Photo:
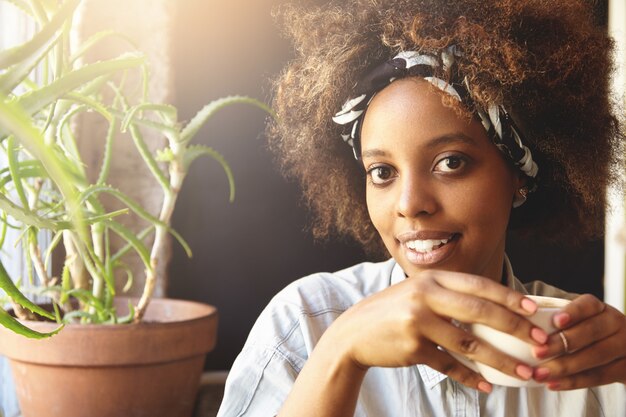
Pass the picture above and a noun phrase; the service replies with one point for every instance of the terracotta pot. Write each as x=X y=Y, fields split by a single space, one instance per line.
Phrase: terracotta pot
x=149 y=369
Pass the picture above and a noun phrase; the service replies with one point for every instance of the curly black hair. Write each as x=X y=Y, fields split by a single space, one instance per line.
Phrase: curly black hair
x=546 y=61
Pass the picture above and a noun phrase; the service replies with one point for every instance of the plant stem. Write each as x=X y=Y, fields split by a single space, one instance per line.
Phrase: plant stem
x=74 y=262
x=22 y=313
x=40 y=267
x=177 y=175
x=97 y=237
x=33 y=246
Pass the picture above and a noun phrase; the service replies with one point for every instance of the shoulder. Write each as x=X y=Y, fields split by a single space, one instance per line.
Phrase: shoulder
x=319 y=296
x=336 y=290
x=288 y=329
x=297 y=316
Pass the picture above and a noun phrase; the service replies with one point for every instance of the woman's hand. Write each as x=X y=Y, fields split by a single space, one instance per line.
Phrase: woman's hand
x=404 y=325
x=596 y=347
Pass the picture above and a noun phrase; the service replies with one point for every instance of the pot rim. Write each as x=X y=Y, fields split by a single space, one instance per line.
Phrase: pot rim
x=149 y=342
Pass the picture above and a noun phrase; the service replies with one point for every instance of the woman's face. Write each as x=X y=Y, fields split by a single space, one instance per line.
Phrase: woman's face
x=438 y=191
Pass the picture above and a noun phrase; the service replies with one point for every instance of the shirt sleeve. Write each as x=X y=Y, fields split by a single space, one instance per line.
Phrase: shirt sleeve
x=258 y=383
x=285 y=334
x=264 y=372
x=612 y=399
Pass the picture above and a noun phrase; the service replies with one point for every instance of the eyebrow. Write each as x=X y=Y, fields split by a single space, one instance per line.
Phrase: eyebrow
x=450 y=138
x=447 y=139
x=370 y=153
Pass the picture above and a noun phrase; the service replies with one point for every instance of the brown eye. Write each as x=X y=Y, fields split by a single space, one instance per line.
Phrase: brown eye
x=453 y=162
x=380 y=174
x=450 y=164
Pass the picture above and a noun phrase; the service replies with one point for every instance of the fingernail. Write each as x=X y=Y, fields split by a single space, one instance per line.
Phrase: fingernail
x=561 y=319
x=484 y=387
x=540 y=352
x=525 y=372
x=554 y=385
x=539 y=335
x=541 y=374
x=529 y=305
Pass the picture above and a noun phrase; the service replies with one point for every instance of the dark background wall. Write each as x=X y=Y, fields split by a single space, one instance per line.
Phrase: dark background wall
x=247 y=251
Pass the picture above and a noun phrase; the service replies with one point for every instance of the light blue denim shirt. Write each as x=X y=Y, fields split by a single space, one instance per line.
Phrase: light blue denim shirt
x=288 y=329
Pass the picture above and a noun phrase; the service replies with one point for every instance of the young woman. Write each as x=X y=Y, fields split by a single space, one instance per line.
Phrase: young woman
x=466 y=119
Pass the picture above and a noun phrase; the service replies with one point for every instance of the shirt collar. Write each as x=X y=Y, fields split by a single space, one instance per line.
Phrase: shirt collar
x=430 y=376
x=397 y=274
x=511 y=280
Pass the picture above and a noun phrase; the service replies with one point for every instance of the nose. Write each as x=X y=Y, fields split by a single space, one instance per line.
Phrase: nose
x=416 y=198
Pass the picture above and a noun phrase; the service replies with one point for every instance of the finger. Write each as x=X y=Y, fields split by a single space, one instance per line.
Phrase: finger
x=472 y=309
x=581 y=335
x=578 y=310
x=467 y=344
x=607 y=374
x=592 y=357
x=446 y=364
x=487 y=289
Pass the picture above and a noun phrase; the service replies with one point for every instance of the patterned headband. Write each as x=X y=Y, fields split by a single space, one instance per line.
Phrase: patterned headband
x=498 y=124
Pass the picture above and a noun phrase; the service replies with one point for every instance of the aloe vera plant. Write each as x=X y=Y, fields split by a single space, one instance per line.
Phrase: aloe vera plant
x=44 y=185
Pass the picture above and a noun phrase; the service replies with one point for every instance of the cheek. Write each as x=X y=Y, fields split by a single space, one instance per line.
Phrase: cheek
x=379 y=211
x=373 y=209
x=486 y=203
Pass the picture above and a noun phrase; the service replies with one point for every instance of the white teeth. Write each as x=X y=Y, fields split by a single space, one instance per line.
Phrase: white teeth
x=425 y=245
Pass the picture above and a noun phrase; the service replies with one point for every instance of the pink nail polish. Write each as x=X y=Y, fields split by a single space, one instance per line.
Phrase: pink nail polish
x=541 y=374
x=554 y=385
x=529 y=305
x=484 y=387
x=525 y=372
x=539 y=335
x=540 y=352
x=561 y=320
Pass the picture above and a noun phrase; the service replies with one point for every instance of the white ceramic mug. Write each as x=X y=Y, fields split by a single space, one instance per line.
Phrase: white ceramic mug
x=512 y=346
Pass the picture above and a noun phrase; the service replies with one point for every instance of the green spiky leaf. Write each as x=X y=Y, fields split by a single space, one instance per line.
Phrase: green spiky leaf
x=194 y=151
x=20 y=53
x=9 y=287
x=16 y=326
x=209 y=110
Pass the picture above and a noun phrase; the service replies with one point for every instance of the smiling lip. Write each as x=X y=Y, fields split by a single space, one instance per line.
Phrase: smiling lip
x=428 y=257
